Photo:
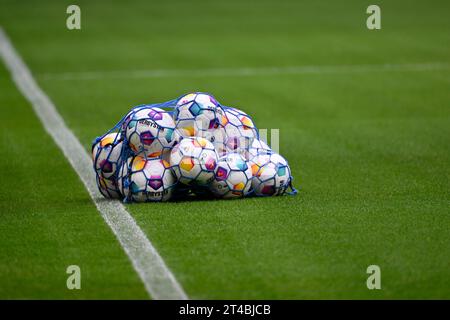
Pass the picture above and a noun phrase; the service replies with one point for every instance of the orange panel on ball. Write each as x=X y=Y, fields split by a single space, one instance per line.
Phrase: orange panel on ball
x=187 y=163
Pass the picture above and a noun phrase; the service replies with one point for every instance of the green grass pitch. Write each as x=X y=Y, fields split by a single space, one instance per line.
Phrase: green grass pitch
x=369 y=149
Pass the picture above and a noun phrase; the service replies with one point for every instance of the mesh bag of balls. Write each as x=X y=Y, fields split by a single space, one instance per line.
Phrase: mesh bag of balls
x=187 y=147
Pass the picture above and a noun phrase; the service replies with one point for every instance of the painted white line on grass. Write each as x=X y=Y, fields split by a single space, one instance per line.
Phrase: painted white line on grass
x=245 y=72
x=158 y=280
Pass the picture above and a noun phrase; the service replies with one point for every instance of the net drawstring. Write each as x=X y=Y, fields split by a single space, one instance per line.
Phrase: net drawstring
x=293 y=191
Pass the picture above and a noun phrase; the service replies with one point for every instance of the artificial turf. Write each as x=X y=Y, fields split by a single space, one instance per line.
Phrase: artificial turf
x=369 y=150
x=48 y=221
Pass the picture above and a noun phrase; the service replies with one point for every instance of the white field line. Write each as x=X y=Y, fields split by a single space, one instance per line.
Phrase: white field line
x=157 y=278
x=245 y=72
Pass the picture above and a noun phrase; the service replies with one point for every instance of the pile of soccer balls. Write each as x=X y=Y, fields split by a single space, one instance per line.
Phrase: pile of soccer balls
x=188 y=146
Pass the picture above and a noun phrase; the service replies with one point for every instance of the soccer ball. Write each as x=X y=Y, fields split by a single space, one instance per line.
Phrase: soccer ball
x=197 y=114
x=144 y=179
x=108 y=187
x=240 y=131
x=259 y=147
x=218 y=138
x=149 y=130
x=193 y=161
x=106 y=155
x=271 y=174
x=232 y=177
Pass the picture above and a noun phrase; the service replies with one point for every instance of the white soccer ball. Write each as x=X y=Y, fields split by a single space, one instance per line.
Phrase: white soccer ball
x=149 y=130
x=240 y=131
x=194 y=161
x=197 y=114
x=232 y=177
x=271 y=174
x=144 y=179
x=106 y=155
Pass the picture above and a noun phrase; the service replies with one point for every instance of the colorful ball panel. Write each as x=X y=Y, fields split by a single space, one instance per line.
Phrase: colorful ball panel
x=271 y=174
x=150 y=130
x=197 y=114
x=147 y=180
x=232 y=177
x=194 y=161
